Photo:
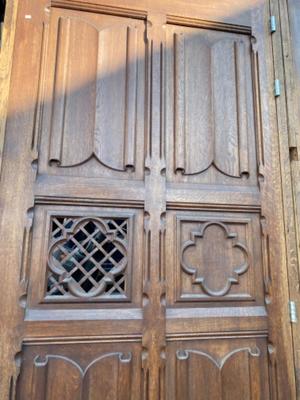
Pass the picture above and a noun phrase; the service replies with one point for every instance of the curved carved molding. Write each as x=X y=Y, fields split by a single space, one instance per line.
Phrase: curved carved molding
x=182 y=355
x=86 y=256
x=41 y=362
x=201 y=275
x=94 y=104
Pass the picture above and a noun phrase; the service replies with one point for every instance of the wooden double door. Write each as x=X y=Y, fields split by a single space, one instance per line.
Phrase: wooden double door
x=142 y=239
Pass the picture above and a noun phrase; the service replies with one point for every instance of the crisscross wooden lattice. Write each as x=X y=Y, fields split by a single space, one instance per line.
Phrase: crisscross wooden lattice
x=87 y=257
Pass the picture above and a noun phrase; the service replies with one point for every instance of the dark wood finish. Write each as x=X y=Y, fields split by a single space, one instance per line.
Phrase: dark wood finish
x=144 y=240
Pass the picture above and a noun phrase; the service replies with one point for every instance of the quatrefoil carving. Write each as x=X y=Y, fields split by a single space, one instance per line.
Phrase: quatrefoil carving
x=214 y=257
x=87 y=257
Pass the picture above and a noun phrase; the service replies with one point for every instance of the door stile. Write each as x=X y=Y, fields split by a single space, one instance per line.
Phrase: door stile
x=286 y=111
x=6 y=49
x=272 y=220
x=18 y=171
x=153 y=355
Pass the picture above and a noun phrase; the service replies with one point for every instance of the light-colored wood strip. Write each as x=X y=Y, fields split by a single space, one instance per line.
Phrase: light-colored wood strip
x=131 y=97
x=241 y=105
x=41 y=93
x=179 y=102
x=6 y=52
x=60 y=89
x=225 y=109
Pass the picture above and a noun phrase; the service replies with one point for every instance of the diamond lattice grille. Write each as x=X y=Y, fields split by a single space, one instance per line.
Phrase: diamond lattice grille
x=88 y=257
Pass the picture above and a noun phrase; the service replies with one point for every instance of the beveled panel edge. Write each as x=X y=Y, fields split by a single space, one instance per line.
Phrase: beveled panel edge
x=83 y=314
x=83 y=201
x=33 y=341
x=96 y=329
x=216 y=335
x=216 y=312
x=89 y=191
x=199 y=23
x=207 y=322
x=213 y=198
x=99 y=8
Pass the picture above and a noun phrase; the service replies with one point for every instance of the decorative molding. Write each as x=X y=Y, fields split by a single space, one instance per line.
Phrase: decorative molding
x=39 y=106
x=183 y=355
x=201 y=278
x=257 y=107
x=14 y=378
x=43 y=361
x=52 y=340
x=273 y=372
x=25 y=258
x=199 y=23
x=266 y=259
x=69 y=201
x=175 y=337
x=177 y=205
x=99 y=8
x=154 y=288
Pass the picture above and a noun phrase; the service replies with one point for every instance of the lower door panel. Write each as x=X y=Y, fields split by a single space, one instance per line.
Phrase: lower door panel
x=217 y=369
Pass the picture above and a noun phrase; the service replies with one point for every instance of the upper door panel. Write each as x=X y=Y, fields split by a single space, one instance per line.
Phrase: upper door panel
x=93 y=121
x=209 y=111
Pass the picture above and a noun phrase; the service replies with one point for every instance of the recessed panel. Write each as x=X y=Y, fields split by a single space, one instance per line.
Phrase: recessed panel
x=93 y=100
x=218 y=369
x=209 y=112
x=215 y=257
x=80 y=371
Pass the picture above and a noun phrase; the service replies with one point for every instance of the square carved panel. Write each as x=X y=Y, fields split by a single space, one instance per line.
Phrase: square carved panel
x=217 y=257
x=88 y=257
x=84 y=254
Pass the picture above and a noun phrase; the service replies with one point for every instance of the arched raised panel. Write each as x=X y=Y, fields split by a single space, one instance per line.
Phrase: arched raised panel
x=229 y=107
x=212 y=118
x=106 y=377
x=94 y=94
x=193 y=124
x=201 y=376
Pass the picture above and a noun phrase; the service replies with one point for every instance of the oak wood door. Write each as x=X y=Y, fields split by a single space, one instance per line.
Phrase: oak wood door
x=141 y=223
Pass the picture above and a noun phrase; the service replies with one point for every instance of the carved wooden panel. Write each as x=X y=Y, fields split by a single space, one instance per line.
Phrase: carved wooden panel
x=218 y=369
x=218 y=256
x=210 y=119
x=88 y=257
x=85 y=254
x=94 y=97
x=80 y=371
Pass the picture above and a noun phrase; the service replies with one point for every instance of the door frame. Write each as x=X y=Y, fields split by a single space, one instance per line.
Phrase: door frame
x=288 y=121
x=286 y=124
